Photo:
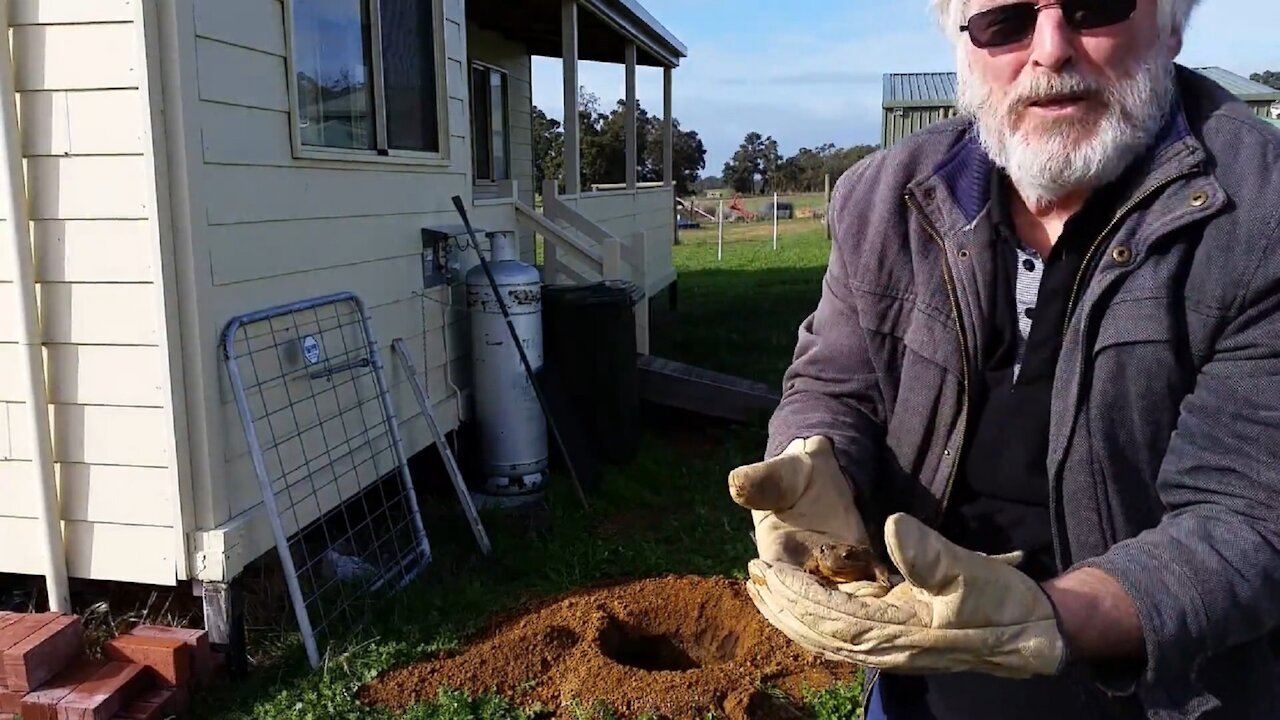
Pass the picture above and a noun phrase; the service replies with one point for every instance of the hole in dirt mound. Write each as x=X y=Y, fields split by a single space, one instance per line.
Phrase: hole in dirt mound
x=644 y=652
x=671 y=647
x=640 y=646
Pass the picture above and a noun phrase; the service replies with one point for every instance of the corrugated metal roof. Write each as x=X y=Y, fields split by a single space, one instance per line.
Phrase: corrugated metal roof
x=937 y=89
x=919 y=89
x=1241 y=87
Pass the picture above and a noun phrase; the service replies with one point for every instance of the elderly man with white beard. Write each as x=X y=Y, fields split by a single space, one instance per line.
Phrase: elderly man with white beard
x=1043 y=383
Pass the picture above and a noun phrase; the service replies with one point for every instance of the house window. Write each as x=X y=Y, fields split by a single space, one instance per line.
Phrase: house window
x=366 y=75
x=489 y=126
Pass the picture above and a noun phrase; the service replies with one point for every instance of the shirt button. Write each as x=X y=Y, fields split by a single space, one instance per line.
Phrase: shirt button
x=1029 y=264
x=1030 y=313
x=1199 y=198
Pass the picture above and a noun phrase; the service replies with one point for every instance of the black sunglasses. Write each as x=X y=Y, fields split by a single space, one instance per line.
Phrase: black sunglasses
x=1009 y=24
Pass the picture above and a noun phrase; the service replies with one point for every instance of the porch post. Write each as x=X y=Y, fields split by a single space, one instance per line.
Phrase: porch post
x=668 y=134
x=572 y=137
x=632 y=153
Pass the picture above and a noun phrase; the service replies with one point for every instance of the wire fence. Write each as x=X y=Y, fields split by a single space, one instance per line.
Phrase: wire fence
x=325 y=445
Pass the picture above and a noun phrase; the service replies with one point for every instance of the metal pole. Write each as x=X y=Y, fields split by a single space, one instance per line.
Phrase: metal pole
x=720 y=241
x=31 y=376
x=775 y=221
x=451 y=464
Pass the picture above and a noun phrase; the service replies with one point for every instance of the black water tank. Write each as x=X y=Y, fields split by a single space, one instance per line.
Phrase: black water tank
x=589 y=339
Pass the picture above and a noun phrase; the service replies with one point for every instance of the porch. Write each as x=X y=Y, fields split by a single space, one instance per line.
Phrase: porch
x=624 y=230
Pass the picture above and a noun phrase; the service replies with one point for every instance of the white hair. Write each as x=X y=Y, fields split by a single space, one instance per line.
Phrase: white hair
x=1173 y=15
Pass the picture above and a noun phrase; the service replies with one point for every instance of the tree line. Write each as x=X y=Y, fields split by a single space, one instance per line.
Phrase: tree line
x=1270 y=78
x=603 y=146
x=758 y=167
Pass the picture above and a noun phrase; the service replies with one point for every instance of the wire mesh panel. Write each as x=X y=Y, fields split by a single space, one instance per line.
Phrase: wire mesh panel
x=325 y=444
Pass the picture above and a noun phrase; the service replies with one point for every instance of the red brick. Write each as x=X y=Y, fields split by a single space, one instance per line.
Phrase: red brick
x=10 y=701
x=43 y=654
x=202 y=660
x=8 y=617
x=43 y=703
x=172 y=701
x=16 y=632
x=102 y=696
x=139 y=710
x=168 y=658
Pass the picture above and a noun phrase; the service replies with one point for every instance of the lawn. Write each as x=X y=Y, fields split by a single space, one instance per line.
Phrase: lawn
x=668 y=512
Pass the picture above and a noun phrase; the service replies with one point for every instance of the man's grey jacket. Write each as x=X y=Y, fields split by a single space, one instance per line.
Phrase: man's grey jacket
x=1164 y=450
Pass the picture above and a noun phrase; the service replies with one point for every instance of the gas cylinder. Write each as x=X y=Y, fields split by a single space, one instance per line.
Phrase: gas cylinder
x=512 y=428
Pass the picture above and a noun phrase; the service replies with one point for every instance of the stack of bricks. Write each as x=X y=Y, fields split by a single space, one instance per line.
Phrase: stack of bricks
x=146 y=674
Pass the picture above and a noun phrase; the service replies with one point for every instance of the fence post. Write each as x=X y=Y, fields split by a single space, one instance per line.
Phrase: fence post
x=720 y=240
x=775 y=221
x=826 y=204
x=640 y=256
x=611 y=268
x=550 y=263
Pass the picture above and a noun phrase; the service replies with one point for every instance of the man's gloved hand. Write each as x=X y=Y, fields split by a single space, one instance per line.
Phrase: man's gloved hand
x=798 y=500
x=956 y=611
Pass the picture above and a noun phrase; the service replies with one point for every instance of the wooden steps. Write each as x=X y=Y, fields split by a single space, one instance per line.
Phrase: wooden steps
x=149 y=672
x=674 y=384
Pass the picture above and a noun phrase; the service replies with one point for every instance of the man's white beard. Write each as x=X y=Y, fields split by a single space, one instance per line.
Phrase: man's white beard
x=1068 y=154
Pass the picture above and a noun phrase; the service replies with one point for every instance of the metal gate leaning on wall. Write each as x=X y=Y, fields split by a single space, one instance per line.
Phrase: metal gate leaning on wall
x=312 y=396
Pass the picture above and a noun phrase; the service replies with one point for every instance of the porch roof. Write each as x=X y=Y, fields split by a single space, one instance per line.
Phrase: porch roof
x=603 y=31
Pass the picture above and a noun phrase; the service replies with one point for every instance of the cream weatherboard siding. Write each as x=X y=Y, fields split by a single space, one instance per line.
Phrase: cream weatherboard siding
x=490 y=48
x=269 y=228
x=88 y=136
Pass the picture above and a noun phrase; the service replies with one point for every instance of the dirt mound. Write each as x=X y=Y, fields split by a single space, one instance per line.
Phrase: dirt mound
x=674 y=647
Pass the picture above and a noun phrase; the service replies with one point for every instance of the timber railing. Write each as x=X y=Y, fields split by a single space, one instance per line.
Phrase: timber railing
x=578 y=249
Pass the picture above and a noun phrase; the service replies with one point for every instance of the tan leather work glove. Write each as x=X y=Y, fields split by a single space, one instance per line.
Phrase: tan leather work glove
x=798 y=499
x=956 y=611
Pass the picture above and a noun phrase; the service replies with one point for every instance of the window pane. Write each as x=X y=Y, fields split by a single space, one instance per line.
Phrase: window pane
x=480 y=116
x=332 y=55
x=498 y=106
x=409 y=75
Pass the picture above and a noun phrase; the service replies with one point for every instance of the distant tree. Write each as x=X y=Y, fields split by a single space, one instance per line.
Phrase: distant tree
x=688 y=154
x=746 y=165
x=1270 y=78
x=603 y=146
x=548 y=148
x=808 y=169
x=770 y=161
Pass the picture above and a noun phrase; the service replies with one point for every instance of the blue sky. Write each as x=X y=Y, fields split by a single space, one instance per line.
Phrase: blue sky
x=809 y=71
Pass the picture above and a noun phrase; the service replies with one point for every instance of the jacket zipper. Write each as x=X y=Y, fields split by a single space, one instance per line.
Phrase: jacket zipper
x=1088 y=257
x=1056 y=506
x=953 y=296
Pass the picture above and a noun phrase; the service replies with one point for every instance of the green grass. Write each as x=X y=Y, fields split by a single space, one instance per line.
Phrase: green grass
x=668 y=512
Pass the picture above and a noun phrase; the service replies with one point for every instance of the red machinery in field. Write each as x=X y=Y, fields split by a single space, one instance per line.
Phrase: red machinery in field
x=742 y=211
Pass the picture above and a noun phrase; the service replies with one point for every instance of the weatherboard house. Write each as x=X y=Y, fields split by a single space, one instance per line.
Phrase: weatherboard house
x=913 y=101
x=190 y=161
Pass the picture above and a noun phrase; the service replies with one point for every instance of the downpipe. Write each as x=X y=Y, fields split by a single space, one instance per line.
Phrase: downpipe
x=35 y=402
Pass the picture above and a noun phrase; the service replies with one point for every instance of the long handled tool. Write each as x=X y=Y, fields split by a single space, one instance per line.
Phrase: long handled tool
x=450 y=463
x=524 y=359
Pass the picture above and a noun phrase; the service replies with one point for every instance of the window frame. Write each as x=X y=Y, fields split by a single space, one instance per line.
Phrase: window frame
x=506 y=122
x=384 y=154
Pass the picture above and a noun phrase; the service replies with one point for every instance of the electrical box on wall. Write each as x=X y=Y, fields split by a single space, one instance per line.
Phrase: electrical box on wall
x=441 y=246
